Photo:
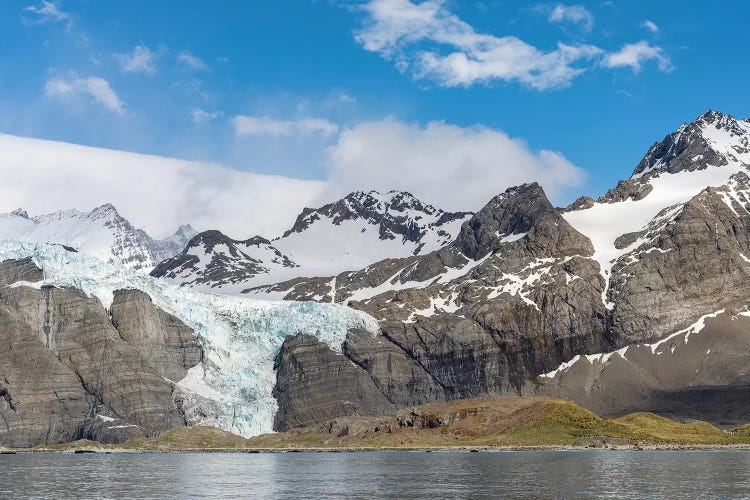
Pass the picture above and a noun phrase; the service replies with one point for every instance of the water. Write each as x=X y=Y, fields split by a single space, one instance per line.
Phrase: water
x=532 y=474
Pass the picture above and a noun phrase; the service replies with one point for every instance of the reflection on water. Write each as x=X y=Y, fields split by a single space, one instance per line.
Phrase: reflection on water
x=531 y=474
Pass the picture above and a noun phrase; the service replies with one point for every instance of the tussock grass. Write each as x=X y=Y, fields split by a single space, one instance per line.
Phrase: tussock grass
x=481 y=422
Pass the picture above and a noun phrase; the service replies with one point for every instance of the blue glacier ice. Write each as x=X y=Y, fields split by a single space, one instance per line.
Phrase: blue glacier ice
x=232 y=388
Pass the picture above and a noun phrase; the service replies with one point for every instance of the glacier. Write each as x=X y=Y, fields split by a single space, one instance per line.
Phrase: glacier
x=232 y=388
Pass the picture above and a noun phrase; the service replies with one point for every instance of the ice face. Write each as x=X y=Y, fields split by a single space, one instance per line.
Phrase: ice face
x=232 y=388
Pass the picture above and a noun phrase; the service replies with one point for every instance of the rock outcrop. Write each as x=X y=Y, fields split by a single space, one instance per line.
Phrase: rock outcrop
x=170 y=346
x=694 y=261
x=315 y=383
x=700 y=373
x=68 y=373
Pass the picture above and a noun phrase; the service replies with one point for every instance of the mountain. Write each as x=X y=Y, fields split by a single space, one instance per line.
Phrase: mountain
x=103 y=233
x=350 y=233
x=638 y=300
x=212 y=259
x=526 y=286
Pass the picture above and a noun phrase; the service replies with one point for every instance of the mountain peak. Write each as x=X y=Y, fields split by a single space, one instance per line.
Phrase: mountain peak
x=396 y=212
x=106 y=209
x=713 y=139
x=19 y=212
x=185 y=229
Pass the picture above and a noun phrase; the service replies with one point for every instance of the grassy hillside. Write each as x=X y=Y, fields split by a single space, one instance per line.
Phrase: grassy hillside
x=480 y=422
x=504 y=421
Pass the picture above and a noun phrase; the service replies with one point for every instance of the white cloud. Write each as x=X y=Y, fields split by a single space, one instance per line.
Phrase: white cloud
x=140 y=60
x=452 y=167
x=650 y=25
x=191 y=61
x=399 y=29
x=576 y=14
x=633 y=55
x=201 y=116
x=94 y=87
x=48 y=12
x=153 y=192
x=267 y=126
x=430 y=42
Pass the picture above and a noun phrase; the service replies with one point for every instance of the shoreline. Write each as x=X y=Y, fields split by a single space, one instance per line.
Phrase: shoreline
x=425 y=449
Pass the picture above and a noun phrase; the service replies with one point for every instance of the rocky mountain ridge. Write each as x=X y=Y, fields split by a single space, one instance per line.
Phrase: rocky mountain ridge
x=350 y=233
x=525 y=285
x=94 y=374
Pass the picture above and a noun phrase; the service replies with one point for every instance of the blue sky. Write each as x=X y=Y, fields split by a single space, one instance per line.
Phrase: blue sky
x=294 y=87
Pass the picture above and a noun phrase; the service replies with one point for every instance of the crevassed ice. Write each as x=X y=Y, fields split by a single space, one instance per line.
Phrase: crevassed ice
x=232 y=388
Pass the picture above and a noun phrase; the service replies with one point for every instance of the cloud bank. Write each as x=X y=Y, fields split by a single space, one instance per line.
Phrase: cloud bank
x=449 y=166
x=154 y=193
x=452 y=167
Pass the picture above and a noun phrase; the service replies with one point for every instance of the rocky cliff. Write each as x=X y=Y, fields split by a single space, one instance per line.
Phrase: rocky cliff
x=70 y=371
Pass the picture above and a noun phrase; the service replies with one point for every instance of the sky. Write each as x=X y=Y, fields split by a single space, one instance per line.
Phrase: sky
x=248 y=111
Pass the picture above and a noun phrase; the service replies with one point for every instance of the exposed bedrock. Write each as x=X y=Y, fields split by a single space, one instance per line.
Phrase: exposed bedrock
x=315 y=383
x=699 y=374
x=68 y=373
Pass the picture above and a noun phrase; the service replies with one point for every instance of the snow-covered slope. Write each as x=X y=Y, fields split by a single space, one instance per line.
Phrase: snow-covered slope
x=351 y=233
x=363 y=228
x=232 y=387
x=102 y=233
x=706 y=152
x=213 y=260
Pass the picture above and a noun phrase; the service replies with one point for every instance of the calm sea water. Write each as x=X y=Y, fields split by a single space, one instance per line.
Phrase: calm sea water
x=557 y=474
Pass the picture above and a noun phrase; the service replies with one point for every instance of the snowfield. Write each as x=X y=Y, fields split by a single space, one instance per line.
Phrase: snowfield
x=232 y=388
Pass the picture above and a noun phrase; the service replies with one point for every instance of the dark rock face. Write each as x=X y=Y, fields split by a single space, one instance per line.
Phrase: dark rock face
x=12 y=271
x=41 y=401
x=631 y=189
x=581 y=203
x=68 y=373
x=513 y=296
x=694 y=263
x=171 y=346
x=701 y=374
x=314 y=384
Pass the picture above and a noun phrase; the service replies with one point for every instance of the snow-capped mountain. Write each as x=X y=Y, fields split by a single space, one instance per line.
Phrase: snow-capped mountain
x=215 y=260
x=705 y=152
x=525 y=287
x=103 y=233
x=350 y=233
x=636 y=300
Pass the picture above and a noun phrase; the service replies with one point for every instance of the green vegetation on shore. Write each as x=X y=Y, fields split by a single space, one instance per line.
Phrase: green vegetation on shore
x=482 y=422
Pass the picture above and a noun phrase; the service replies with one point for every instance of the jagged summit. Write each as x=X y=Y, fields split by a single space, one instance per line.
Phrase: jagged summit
x=359 y=229
x=398 y=213
x=212 y=259
x=712 y=139
x=369 y=226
